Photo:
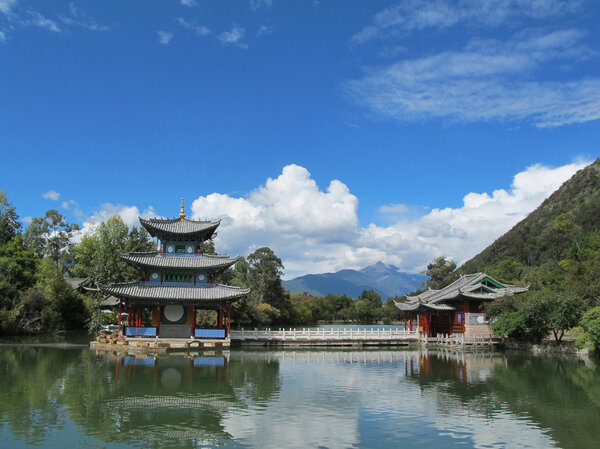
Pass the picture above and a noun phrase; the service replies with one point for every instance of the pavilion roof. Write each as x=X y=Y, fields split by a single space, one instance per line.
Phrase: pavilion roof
x=183 y=261
x=476 y=286
x=174 y=293
x=180 y=226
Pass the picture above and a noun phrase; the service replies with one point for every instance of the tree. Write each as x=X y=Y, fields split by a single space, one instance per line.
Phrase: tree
x=9 y=220
x=49 y=235
x=590 y=322
x=441 y=273
x=97 y=256
x=564 y=312
x=264 y=276
x=17 y=270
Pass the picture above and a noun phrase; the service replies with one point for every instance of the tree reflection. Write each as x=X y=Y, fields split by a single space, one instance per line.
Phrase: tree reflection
x=176 y=400
x=562 y=395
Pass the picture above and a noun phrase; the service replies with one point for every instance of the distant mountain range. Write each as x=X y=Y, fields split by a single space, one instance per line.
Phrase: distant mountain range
x=387 y=280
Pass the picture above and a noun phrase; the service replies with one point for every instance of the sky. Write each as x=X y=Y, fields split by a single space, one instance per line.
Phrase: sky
x=338 y=133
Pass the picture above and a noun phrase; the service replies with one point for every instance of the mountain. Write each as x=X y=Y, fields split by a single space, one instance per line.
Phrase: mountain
x=546 y=234
x=387 y=280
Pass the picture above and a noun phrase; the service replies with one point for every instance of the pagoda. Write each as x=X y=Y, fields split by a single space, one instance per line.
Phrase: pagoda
x=175 y=281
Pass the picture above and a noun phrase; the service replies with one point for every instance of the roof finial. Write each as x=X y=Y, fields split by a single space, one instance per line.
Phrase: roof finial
x=182 y=213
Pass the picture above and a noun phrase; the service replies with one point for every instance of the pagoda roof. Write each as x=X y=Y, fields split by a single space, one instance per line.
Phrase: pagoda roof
x=174 y=293
x=179 y=226
x=185 y=261
x=476 y=286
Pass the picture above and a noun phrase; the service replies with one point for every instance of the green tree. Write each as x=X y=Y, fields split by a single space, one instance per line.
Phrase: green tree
x=49 y=235
x=17 y=271
x=590 y=322
x=441 y=272
x=564 y=312
x=9 y=220
x=97 y=256
x=264 y=276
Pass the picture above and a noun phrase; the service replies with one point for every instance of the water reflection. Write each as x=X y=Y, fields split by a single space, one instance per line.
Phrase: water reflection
x=276 y=399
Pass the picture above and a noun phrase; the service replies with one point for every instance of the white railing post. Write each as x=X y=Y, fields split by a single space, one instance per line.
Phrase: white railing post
x=242 y=333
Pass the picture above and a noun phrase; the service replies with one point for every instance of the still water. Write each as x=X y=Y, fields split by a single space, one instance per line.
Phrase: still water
x=74 y=397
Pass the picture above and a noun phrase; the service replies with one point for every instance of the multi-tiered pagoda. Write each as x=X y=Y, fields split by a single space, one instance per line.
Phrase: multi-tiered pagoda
x=175 y=281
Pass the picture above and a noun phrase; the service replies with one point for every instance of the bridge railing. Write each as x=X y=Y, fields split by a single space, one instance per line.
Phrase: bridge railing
x=323 y=334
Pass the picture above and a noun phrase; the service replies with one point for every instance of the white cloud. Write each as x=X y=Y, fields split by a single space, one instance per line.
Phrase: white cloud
x=317 y=231
x=164 y=37
x=2 y=37
x=411 y=15
x=6 y=6
x=233 y=37
x=486 y=80
x=68 y=204
x=189 y=3
x=38 y=20
x=393 y=209
x=256 y=4
x=51 y=195
x=264 y=29
x=198 y=29
x=78 y=18
x=129 y=214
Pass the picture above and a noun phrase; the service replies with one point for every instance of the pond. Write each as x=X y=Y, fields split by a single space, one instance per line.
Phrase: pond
x=72 y=397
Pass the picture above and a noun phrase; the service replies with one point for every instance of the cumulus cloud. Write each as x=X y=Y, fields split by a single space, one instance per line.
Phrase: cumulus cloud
x=316 y=230
x=486 y=80
x=189 y=3
x=233 y=37
x=129 y=214
x=164 y=37
x=51 y=195
x=412 y=15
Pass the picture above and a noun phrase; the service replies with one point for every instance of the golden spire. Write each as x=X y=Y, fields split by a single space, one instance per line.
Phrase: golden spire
x=182 y=213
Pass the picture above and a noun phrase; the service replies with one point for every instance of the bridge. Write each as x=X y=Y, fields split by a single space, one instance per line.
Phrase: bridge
x=350 y=337
x=325 y=337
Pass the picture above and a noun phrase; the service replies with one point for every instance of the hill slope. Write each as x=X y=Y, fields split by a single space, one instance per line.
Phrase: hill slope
x=548 y=232
x=386 y=280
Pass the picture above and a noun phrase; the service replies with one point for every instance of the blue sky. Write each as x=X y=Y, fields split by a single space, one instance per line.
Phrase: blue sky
x=339 y=133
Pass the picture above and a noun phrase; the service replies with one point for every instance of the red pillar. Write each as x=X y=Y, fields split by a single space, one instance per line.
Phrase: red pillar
x=228 y=320
x=158 y=318
x=404 y=323
x=120 y=310
x=220 y=318
x=193 y=320
x=411 y=323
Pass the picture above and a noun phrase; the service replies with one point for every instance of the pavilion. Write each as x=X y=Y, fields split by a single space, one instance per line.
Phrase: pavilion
x=457 y=308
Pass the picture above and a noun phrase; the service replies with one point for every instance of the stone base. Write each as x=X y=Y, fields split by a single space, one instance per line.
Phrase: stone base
x=481 y=330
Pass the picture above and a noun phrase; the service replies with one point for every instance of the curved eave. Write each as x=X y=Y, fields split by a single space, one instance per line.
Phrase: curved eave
x=423 y=307
x=180 y=227
x=153 y=260
x=174 y=293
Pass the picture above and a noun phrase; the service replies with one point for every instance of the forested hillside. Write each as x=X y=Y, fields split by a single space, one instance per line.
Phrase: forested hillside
x=566 y=218
x=556 y=252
